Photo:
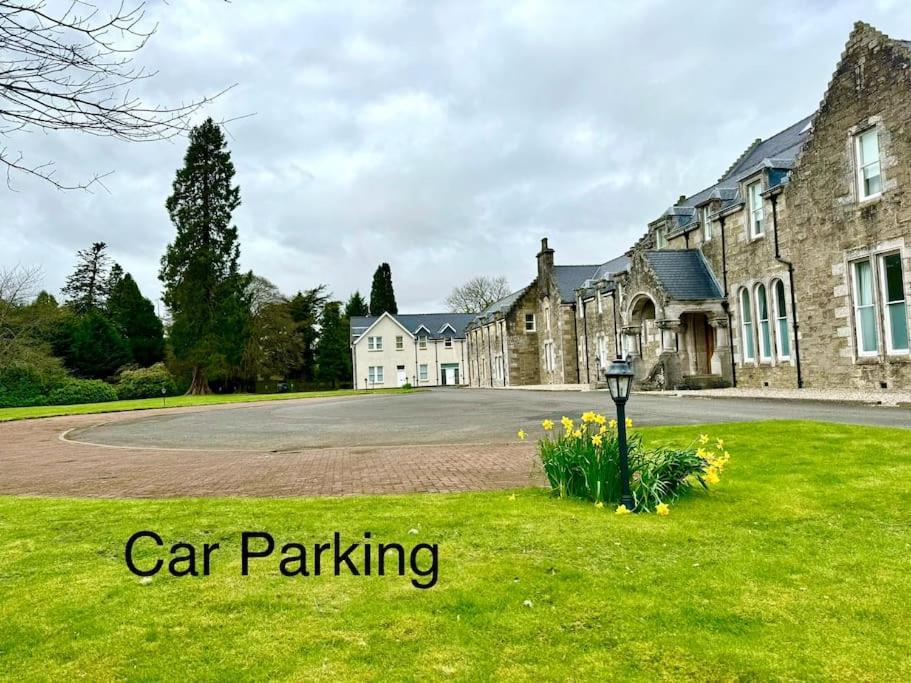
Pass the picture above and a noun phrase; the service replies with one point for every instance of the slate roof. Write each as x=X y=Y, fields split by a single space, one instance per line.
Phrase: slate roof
x=684 y=274
x=612 y=267
x=434 y=322
x=570 y=278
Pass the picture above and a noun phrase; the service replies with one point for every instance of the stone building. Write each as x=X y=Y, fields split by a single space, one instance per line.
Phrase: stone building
x=794 y=269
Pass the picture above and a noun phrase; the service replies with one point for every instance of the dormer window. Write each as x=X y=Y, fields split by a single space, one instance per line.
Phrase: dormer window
x=447 y=343
x=706 y=224
x=422 y=342
x=869 y=177
x=754 y=196
x=660 y=238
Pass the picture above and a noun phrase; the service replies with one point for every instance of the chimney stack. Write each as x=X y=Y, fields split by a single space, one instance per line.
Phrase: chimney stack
x=545 y=264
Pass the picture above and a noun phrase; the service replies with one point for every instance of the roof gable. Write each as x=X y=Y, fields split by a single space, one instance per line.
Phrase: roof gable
x=683 y=274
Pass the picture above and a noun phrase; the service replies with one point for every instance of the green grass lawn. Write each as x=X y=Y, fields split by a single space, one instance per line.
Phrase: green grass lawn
x=7 y=414
x=797 y=566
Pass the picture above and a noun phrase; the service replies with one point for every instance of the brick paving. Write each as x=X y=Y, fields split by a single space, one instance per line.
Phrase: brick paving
x=34 y=460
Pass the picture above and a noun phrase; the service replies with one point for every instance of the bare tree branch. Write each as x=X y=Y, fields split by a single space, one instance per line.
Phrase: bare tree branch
x=74 y=70
x=477 y=294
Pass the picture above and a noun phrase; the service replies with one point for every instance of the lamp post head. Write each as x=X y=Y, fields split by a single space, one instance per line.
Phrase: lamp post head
x=619 y=380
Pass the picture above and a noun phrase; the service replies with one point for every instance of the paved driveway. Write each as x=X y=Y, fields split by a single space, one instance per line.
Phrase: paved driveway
x=443 y=440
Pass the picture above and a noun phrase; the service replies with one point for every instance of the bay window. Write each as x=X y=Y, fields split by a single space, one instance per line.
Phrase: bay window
x=762 y=316
x=781 y=320
x=746 y=326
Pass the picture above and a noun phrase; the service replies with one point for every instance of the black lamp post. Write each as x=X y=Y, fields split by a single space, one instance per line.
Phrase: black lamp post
x=620 y=382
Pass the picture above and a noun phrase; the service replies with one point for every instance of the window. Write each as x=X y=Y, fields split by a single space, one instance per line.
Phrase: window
x=422 y=343
x=374 y=343
x=600 y=304
x=547 y=316
x=746 y=326
x=529 y=322
x=706 y=224
x=754 y=193
x=448 y=343
x=762 y=316
x=895 y=309
x=422 y=372
x=660 y=239
x=549 y=356
x=781 y=321
x=399 y=343
x=864 y=310
x=869 y=178
x=375 y=374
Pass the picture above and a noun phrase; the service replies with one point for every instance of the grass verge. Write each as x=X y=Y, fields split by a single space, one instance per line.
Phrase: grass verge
x=28 y=412
x=795 y=567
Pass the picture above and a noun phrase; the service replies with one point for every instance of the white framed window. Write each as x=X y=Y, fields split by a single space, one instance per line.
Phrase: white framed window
x=530 y=322
x=447 y=343
x=399 y=343
x=660 y=238
x=374 y=343
x=706 y=224
x=754 y=195
x=765 y=329
x=781 y=321
x=375 y=374
x=422 y=372
x=422 y=342
x=865 y=309
x=746 y=326
x=895 y=307
x=549 y=356
x=869 y=176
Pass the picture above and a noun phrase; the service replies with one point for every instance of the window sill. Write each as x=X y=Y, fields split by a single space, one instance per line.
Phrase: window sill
x=756 y=238
x=867 y=201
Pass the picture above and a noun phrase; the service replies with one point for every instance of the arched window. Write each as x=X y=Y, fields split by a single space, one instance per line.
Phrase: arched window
x=781 y=321
x=746 y=326
x=765 y=330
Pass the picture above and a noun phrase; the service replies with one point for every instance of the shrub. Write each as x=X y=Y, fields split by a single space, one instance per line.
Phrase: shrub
x=583 y=461
x=74 y=391
x=27 y=380
x=407 y=386
x=146 y=383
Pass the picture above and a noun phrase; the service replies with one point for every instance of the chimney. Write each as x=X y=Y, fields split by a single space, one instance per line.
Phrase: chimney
x=545 y=263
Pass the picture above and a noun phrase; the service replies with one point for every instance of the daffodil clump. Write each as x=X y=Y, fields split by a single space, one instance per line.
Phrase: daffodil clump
x=582 y=460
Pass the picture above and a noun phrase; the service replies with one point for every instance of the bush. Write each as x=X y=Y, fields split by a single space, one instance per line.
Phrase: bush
x=74 y=391
x=27 y=380
x=407 y=386
x=583 y=461
x=146 y=383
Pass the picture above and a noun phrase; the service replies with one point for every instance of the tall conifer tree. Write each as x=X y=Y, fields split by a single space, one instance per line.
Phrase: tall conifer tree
x=203 y=287
x=382 y=293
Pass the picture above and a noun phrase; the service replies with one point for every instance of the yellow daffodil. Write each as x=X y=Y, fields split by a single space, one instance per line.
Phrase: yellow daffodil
x=600 y=419
x=711 y=475
x=599 y=505
x=703 y=439
x=577 y=434
x=588 y=416
x=596 y=440
x=663 y=509
x=548 y=425
x=622 y=510
x=701 y=452
x=521 y=434
x=612 y=424
x=719 y=444
x=629 y=423
x=602 y=429
x=566 y=422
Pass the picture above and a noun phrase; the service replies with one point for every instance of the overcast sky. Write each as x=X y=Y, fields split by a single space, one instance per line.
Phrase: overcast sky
x=446 y=138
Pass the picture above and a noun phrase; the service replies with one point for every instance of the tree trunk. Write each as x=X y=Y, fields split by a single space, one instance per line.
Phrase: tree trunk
x=199 y=386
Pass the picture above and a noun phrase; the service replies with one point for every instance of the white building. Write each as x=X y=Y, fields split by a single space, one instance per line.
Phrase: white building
x=424 y=350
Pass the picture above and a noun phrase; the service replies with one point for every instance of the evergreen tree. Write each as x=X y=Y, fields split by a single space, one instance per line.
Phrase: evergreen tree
x=333 y=354
x=306 y=308
x=203 y=287
x=91 y=346
x=87 y=287
x=134 y=316
x=382 y=294
x=356 y=306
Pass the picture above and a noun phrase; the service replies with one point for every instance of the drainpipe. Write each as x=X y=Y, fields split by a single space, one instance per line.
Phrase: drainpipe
x=489 y=357
x=575 y=337
x=613 y=296
x=727 y=304
x=417 y=372
x=790 y=265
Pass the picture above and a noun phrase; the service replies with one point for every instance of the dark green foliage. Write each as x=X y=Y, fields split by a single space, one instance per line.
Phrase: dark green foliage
x=203 y=287
x=74 y=391
x=146 y=383
x=356 y=306
x=306 y=308
x=87 y=287
x=27 y=382
x=91 y=346
x=333 y=354
x=134 y=316
x=382 y=293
